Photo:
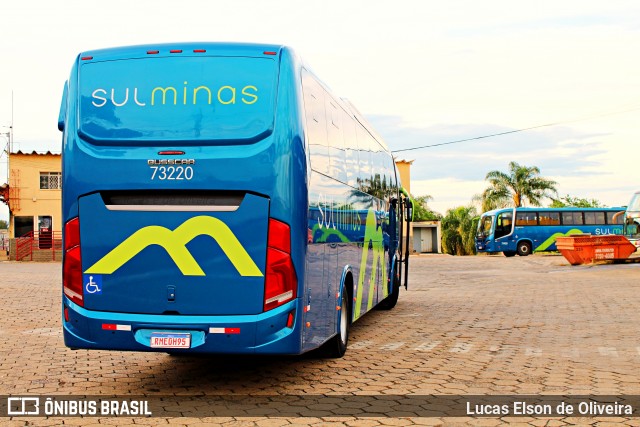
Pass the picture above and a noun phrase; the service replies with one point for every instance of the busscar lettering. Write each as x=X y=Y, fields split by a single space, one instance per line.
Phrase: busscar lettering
x=160 y=162
x=169 y=95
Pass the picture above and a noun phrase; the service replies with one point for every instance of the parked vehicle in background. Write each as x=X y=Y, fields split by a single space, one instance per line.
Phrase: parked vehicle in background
x=632 y=220
x=525 y=230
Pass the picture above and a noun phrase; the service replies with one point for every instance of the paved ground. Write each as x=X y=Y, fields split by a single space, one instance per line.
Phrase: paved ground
x=484 y=325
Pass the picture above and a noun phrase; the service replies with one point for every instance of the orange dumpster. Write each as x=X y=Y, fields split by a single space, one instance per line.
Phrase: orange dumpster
x=585 y=248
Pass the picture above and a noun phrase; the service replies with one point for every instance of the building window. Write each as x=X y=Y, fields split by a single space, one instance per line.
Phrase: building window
x=50 y=180
x=22 y=225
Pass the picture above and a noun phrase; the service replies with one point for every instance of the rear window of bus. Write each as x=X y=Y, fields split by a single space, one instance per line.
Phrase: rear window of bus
x=181 y=99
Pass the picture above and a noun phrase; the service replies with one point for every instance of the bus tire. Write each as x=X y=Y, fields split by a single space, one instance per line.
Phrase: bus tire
x=509 y=254
x=392 y=299
x=524 y=248
x=336 y=347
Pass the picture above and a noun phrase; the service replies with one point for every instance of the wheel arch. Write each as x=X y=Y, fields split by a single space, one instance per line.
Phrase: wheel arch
x=346 y=285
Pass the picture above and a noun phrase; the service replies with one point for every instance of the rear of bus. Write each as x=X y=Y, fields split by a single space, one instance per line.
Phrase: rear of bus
x=180 y=178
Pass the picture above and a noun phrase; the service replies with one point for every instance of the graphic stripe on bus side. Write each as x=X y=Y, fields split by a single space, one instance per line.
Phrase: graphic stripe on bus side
x=374 y=235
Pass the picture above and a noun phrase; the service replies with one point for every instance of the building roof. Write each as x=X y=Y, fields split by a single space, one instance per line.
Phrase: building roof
x=35 y=153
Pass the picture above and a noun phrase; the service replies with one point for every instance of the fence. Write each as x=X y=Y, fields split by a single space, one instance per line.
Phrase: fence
x=38 y=246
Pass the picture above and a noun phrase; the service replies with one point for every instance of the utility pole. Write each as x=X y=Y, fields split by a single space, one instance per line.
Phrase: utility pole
x=10 y=132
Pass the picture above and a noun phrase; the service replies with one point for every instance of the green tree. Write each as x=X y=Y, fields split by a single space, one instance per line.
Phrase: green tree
x=520 y=185
x=3 y=224
x=578 y=202
x=458 y=231
x=421 y=210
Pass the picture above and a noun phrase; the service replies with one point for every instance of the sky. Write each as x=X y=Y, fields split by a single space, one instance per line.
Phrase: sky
x=422 y=72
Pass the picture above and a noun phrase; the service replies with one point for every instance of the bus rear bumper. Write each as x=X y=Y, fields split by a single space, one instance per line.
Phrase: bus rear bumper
x=265 y=333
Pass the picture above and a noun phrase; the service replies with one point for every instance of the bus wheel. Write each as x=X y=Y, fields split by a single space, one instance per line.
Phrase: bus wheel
x=509 y=253
x=524 y=248
x=337 y=346
x=392 y=299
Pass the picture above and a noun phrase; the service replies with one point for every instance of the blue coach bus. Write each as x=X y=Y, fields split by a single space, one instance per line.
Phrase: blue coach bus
x=201 y=185
x=525 y=230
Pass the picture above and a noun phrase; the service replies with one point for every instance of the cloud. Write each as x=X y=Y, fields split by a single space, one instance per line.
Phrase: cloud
x=557 y=151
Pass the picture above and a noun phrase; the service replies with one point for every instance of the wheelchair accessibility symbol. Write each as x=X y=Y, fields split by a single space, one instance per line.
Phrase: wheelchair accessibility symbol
x=93 y=283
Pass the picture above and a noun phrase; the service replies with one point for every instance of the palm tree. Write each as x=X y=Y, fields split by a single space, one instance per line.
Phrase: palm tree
x=458 y=230
x=522 y=184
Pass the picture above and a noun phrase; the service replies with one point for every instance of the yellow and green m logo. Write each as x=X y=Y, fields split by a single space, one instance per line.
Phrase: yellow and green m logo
x=552 y=239
x=174 y=242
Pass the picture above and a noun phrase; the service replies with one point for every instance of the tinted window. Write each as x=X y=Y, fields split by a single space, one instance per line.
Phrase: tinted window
x=390 y=168
x=619 y=219
x=352 y=159
x=549 y=218
x=316 y=123
x=527 y=218
x=177 y=99
x=335 y=139
x=364 y=154
x=572 y=218
x=594 y=218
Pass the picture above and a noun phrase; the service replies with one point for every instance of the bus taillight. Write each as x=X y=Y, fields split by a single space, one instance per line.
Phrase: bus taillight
x=72 y=268
x=280 y=280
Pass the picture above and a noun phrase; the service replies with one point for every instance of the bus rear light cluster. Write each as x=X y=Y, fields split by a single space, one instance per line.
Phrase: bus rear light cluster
x=280 y=283
x=72 y=267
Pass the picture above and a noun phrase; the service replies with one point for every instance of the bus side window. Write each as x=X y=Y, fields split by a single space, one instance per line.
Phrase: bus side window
x=577 y=218
x=364 y=154
x=590 y=218
x=526 y=218
x=336 y=140
x=594 y=218
x=567 y=218
x=390 y=177
x=549 y=218
x=351 y=150
x=316 y=118
x=619 y=219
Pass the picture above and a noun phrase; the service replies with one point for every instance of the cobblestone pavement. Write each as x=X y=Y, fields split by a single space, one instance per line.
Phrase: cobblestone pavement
x=466 y=326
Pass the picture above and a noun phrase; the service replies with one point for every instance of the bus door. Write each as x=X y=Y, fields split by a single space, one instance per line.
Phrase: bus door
x=503 y=237
x=405 y=214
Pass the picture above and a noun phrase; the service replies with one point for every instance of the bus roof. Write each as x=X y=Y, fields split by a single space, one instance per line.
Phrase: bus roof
x=166 y=49
x=542 y=209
